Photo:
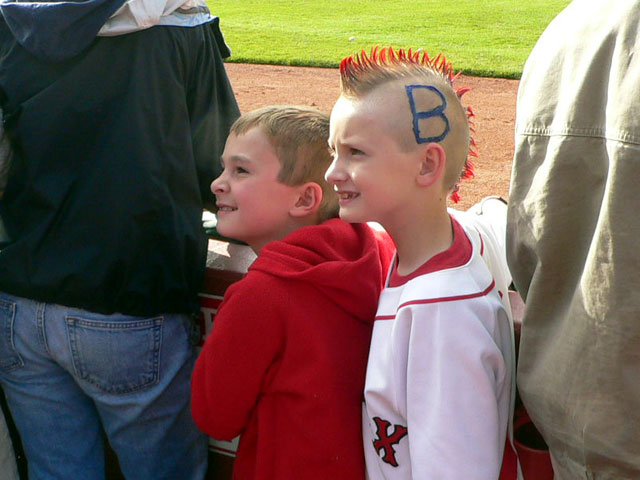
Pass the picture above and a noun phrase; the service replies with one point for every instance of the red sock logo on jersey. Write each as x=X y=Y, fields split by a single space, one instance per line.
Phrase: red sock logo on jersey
x=385 y=442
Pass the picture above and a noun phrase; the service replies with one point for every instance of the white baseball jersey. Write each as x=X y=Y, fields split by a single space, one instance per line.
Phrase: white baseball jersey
x=440 y=384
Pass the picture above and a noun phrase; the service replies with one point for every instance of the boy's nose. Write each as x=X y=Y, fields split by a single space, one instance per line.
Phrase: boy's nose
x=218 y=185
x=334 y=174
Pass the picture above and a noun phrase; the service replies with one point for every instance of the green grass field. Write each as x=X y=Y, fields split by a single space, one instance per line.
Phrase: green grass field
x=480 y=37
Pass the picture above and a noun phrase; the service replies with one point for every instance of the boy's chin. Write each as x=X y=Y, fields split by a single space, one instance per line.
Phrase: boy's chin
x=227 y=232
x=351 y=217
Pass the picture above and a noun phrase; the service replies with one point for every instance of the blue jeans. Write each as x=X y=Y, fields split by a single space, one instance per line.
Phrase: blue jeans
x=68 y=374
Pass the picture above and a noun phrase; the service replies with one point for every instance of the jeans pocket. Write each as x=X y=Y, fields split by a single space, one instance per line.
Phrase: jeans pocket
x=9 y=357
x=120 y=356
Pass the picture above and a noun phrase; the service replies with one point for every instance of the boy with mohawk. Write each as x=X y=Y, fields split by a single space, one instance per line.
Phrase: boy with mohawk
x=285 y=363
x=439 y=384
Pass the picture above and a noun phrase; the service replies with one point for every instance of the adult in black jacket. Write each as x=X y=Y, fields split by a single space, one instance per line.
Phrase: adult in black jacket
x=116 y=131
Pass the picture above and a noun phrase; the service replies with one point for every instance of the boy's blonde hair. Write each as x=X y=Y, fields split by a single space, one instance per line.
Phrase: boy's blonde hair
x=299 y=137
x=363 y=73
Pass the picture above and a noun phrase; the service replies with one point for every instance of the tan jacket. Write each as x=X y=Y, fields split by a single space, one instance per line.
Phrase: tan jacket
x=573 y=238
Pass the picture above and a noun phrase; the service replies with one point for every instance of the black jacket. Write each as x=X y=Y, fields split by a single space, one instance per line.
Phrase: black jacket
x=114 y=151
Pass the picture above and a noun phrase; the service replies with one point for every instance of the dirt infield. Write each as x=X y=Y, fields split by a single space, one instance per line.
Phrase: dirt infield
x=493 y=101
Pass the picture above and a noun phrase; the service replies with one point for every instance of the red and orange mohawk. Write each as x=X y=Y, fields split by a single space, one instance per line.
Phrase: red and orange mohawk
x=361 y=73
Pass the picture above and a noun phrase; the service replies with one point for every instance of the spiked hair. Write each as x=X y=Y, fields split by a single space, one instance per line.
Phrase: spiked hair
x=361 y=73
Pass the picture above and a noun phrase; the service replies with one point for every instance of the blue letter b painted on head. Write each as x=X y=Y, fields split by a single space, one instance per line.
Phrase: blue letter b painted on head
x=437 y=111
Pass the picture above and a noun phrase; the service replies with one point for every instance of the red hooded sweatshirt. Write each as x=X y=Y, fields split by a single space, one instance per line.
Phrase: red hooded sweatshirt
x=285 y=363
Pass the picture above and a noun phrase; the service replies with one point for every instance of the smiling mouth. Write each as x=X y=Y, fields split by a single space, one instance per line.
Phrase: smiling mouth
x=347 y=195
x=225 y=208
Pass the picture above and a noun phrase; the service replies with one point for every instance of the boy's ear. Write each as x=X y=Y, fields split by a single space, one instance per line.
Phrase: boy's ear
x=432 y=164
x=308 y=201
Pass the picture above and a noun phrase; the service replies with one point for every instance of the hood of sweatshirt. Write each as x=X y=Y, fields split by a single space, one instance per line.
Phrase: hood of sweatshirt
x=57 y=30
x=346 y=262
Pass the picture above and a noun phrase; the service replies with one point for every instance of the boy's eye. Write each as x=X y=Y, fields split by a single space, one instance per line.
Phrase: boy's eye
x=355 y=151
x=241 y=170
